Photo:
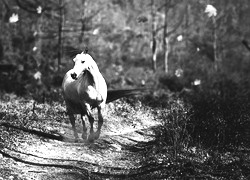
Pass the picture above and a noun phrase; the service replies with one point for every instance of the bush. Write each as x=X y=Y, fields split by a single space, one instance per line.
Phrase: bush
x=176 y=123
x=220 y=110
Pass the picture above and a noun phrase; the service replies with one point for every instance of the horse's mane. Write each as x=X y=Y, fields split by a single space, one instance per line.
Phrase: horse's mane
x=90 y=76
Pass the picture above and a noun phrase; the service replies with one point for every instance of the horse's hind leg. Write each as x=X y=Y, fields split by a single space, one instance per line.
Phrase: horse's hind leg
x=84 y=133
x=100 y=123
x=91 y=137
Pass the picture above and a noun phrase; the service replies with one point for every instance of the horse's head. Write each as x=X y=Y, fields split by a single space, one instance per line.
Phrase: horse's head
x=83 y=62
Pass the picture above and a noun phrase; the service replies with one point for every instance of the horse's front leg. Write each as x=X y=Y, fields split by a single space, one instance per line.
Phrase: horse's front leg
x=91 y=121
x=72 y=121
x=100 y=123
x=84 y=133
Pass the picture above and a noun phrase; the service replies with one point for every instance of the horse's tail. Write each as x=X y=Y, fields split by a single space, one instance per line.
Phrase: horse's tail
x=117 y=94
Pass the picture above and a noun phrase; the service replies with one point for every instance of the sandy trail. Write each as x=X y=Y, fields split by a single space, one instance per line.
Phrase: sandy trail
x=116 y=154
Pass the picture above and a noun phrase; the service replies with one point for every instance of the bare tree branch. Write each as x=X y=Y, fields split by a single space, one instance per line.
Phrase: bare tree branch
x=245 y=43
x=25 y=7
x=32 y=8
x=6 y=5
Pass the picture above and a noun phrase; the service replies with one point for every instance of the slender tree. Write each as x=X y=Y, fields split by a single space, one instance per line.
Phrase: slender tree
x=165 y=37
x=166 y=29
x=216 y=58
x=60 y=26
x=212 y=13
x=154 y=41
x=82 y=19
x=186 y=24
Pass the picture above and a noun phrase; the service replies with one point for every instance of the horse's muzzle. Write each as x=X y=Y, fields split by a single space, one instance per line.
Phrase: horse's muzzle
x=74 y=76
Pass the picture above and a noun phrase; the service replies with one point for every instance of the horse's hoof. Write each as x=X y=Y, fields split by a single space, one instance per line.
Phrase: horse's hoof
x=76 y=135
x=91 y=138
x=77 y=140
x=84 y=136
x=96 y=135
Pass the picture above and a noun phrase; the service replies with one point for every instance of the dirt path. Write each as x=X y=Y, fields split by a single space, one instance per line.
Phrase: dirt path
x=117 y=154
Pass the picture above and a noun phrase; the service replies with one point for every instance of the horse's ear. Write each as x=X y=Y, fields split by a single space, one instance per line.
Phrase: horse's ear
x=75 y=58
x=85 y=51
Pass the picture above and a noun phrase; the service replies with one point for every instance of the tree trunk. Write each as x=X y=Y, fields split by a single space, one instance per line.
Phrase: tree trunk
x=154 y=41
x=166 y=41
x=166 y=52
x=82 y=21
x=215 y=47
x=186 y=24
x=59 y=53
x=39 y=40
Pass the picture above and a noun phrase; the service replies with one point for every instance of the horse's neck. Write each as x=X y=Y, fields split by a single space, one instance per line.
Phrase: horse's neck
x=90 y=79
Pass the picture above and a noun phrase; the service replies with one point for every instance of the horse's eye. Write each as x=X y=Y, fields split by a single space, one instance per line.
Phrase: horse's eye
x=83 y=61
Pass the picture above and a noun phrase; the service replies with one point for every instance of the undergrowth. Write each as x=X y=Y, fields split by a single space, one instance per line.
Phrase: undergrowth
x=220 y=112
x=203 y=133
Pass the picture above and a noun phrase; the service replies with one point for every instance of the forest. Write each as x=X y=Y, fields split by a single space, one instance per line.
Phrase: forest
x=189 y=58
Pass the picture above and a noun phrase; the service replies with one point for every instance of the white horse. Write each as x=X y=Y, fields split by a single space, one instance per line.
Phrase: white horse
x=84 y=88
